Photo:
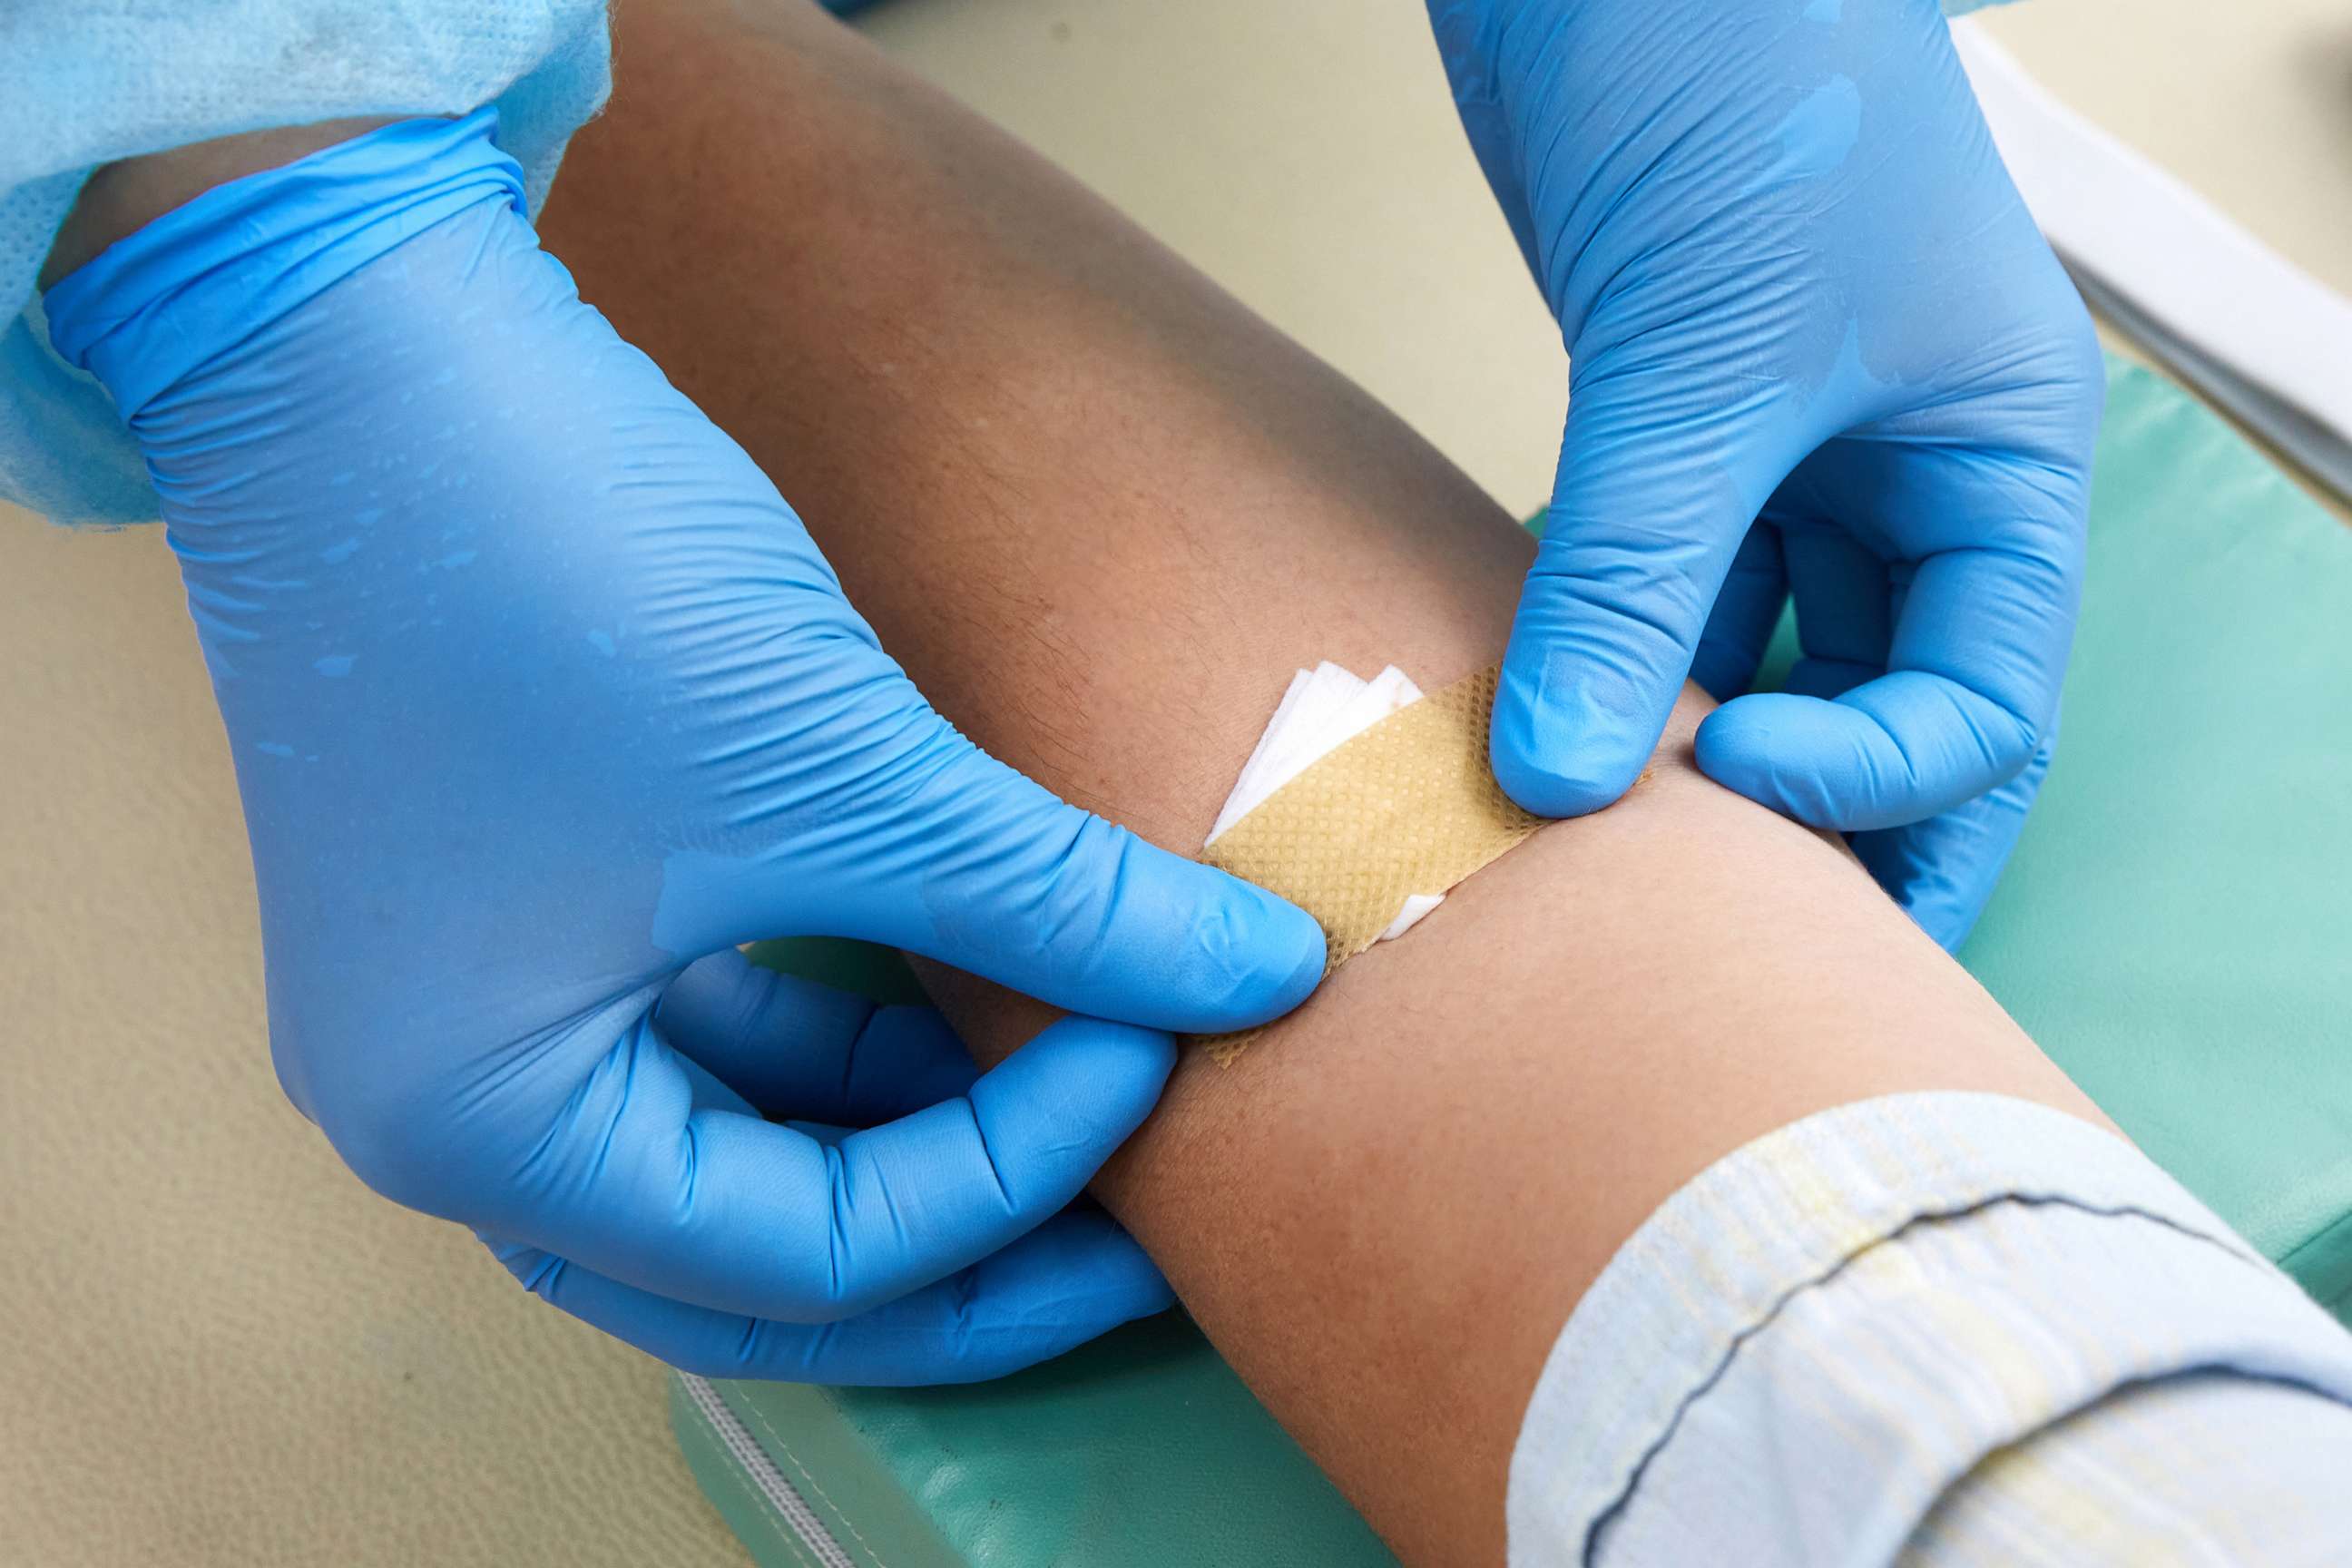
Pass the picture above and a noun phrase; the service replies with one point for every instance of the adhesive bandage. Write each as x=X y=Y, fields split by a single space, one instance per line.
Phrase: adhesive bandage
x=1363 y=804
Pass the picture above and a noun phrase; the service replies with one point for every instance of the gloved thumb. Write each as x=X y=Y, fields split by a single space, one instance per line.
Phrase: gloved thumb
x=1017 y=885
x=959 y=858
x=1661 y=472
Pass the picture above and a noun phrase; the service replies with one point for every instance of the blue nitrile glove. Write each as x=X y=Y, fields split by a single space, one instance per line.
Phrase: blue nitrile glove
x=540 y=694
x=1817 y=348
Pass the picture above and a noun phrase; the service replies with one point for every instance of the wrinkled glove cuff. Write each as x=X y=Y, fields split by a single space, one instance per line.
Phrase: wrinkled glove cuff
x=195 y=283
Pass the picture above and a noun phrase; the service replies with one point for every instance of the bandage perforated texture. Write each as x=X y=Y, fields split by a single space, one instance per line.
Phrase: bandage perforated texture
x=1401 y=812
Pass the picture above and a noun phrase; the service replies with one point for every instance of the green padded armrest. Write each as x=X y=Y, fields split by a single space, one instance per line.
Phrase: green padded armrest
x=2176 y=930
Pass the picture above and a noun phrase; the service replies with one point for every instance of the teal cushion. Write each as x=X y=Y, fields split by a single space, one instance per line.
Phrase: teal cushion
x=2176 y=930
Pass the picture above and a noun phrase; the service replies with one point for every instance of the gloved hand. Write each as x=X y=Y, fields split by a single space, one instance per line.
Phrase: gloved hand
x=539 y=694
x=1817 y=347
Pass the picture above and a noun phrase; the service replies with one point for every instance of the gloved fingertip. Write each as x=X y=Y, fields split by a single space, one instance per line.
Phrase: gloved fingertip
x=1072 y=1094
x=1558 y=753
x=1130 y=1286
x=1942 y=899
x=1125 y=1050
x=1074 y=1277
x=1256 y=956
x=1129 y=930
x=1122 y=1281
x=1753 y=745
x=1305 y=955
x=1946 y=914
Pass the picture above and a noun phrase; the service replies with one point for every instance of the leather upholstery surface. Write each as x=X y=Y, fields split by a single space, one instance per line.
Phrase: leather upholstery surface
x=221 y=1352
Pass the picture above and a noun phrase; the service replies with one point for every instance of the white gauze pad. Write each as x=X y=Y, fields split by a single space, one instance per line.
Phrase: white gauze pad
x=1323 y=708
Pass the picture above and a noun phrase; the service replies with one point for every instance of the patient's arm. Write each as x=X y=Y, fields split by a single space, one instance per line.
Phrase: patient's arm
x=1100 y=512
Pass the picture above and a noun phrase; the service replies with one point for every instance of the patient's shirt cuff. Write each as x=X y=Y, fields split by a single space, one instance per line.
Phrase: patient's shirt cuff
x=1827 y=1333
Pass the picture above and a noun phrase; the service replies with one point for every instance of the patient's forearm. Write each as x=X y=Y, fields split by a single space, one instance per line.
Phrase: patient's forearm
x=1100 y=513
x=1384 y=1213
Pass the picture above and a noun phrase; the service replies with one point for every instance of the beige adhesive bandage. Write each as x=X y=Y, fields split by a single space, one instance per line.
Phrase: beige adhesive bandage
x=1406 y=809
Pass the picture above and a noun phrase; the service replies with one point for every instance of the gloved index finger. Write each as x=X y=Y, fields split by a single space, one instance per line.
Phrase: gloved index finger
x=724 y=1211
x=1073 y=1277
x=1969 y=695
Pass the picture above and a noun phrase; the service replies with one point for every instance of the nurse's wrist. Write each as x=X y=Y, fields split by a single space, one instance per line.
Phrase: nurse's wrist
x=123 y=197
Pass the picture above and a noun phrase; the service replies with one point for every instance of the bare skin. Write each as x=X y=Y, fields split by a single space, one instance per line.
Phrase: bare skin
x=1100 y=513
